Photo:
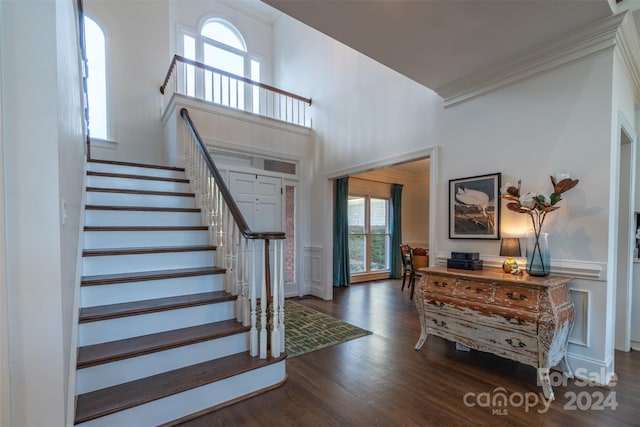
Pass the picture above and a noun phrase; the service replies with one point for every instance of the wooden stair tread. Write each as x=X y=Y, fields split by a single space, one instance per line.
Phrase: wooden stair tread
x=133 y=176
x=97 y=354
x=112 y=311
x=142 y=192
x=145 y=228
x=146 y=250
x=138 y=208
x=127 y=395
x=142 y=276
x=138 y=165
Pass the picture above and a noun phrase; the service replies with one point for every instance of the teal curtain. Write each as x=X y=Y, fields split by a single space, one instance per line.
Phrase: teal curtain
x=341 y=274
x=396 y=231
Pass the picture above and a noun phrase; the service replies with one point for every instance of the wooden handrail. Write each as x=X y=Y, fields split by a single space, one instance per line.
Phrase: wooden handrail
x=224 y=190
x=197 y=64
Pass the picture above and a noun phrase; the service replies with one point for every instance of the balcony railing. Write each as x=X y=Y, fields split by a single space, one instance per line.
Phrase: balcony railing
x=195 y=79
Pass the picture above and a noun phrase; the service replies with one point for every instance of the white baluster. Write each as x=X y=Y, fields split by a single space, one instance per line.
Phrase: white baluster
x=225 y=252
x=237 y=247
x=211 y=219
x=246 y=293
x=253 y=334
x=275 y=336
x=263 y=306
x=281 y=324
x=229 y=253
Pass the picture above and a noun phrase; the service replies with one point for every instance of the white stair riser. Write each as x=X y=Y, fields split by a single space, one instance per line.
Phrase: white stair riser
x=91 y=296
x=182 y=404
x=136 y=184
x=109 y=374
x=112 y=264
x=145 y=324
x=127 y=199
x=134 y=170
x=144 y=239
x=141 y=218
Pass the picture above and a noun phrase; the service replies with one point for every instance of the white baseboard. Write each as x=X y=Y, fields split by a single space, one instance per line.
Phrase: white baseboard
x=593 y=371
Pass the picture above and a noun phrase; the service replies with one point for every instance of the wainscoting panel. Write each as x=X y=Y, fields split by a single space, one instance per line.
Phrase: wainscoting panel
x=580 y=332
x=313 y=263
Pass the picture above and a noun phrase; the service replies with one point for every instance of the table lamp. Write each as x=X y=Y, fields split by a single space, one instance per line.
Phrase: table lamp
x=510 y=247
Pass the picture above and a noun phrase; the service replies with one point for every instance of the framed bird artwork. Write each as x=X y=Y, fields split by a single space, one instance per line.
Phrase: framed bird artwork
x=474 y=207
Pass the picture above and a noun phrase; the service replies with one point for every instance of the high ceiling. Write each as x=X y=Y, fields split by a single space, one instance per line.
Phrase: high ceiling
x=435 y=42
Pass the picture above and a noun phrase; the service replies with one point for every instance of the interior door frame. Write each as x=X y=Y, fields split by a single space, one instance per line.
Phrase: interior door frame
x=430 y=152
x=625 y=233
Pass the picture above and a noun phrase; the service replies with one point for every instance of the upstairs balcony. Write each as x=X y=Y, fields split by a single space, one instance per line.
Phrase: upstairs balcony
x=197 y=80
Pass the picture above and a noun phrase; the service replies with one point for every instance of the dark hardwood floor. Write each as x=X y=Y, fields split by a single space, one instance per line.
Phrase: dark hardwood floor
x=380 y=380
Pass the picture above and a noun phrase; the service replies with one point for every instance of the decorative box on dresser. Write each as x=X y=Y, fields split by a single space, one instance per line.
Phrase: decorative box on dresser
x=522 y=318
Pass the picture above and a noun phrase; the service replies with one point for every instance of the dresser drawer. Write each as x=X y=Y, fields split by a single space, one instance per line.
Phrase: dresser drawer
x=441 y=284
x=489 y=315
x=473 y=290
x=517 y=296
x=494 y=340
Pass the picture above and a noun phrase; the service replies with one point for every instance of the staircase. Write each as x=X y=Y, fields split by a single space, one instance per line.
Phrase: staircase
x=158 y=337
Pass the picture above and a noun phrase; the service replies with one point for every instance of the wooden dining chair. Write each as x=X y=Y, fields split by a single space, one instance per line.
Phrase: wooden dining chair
x=405 y=253
x=419 y=259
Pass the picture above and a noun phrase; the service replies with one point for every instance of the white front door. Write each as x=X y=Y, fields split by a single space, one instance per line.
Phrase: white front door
x=259 y=198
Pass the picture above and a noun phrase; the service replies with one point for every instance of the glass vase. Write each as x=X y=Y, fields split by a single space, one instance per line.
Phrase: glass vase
x=538 y=259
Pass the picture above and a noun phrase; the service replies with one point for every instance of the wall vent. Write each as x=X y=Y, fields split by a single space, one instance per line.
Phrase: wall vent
x=279 y=166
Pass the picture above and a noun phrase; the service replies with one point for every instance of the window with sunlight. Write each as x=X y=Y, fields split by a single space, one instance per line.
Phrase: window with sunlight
x=96 y=78
x=368 y=234
x=220 y=45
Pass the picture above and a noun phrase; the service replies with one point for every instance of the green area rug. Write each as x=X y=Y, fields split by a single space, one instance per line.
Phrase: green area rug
x=307 y=330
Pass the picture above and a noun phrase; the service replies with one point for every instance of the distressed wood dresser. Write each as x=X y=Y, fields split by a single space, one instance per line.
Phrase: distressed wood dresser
x=523 y=318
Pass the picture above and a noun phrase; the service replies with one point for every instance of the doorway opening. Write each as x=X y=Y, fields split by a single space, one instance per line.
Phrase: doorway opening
x=370 y=243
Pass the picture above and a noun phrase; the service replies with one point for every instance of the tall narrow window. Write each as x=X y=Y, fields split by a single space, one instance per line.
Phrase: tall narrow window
x=96 y=79
x=368 y=234
x=290 y=229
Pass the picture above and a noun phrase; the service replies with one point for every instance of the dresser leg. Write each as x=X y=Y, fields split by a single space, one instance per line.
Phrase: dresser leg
x=419 y=302
x=566 y=368
x=421 y=340
x=545 y=382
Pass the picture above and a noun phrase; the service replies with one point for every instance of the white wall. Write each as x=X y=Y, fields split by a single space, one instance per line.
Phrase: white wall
x=5 y=395
x=43 y=146
x=137 y=59
x=137 y=62
x=359 y=114
x=71 y=161
x=556 y=121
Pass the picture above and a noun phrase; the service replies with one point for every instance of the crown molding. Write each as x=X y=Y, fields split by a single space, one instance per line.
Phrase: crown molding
x=628 y=41
x=591 y=40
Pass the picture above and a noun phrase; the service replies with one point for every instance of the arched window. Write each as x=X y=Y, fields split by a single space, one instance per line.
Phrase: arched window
x=96 y=79
x=220 y=45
